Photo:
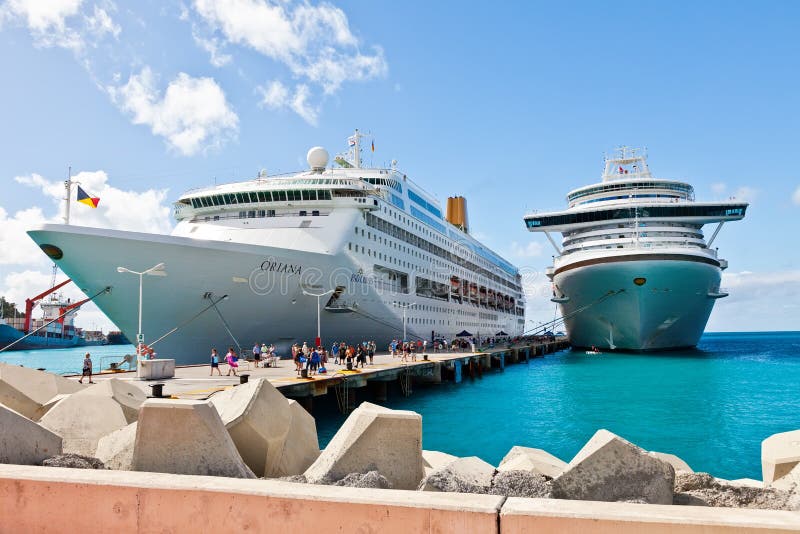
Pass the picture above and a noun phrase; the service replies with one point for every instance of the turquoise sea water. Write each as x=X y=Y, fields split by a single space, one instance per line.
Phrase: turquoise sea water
x=67 y=361
x=712 y=406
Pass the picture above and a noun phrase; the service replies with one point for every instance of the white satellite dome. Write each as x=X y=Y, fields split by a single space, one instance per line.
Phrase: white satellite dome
x=317 y=158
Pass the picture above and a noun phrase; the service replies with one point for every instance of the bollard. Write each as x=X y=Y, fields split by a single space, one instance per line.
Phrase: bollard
x=158 y=390
x=243 y=379
x=349 y=365
x=303 y=373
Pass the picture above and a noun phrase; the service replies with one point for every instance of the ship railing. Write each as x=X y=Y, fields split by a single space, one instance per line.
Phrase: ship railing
x=710 y=252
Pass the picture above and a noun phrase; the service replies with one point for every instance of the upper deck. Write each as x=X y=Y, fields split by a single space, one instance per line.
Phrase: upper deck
x=629 y=191
x=320 y=191
x=685 y=212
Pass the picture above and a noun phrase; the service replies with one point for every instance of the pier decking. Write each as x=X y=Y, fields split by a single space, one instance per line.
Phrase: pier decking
x=194 y=381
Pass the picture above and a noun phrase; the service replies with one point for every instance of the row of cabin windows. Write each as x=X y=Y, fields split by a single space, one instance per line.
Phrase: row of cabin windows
x=438 y=237
x=253 y=197
x=443 y=294
x=420 y=243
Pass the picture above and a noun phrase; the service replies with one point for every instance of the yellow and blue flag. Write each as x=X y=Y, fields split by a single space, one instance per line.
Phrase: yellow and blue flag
x=85 y=198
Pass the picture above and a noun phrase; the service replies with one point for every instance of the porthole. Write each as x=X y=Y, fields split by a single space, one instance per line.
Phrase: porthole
x=52 y=251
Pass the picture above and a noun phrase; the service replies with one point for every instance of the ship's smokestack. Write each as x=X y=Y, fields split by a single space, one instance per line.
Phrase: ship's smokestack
x=457 y=212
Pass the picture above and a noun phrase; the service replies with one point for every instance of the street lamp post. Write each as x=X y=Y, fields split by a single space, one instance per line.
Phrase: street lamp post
x=155 y=270
x=405 y=307
x=319 y=311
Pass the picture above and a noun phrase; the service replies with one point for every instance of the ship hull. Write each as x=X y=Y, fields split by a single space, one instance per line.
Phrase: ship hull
x=608 y=310
x=264 y=287
x=9 y=335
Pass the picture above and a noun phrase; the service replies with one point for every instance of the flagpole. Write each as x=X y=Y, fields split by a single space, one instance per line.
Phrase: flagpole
x=68 y=187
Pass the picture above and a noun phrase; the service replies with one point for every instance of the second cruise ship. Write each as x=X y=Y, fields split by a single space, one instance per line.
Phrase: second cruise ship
x=633 y=271
x=350 y=252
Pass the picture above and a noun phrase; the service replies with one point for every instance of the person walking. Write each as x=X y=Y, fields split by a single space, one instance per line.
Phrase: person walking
x=87 y=368
x=257 y=353
x=230 y=358
x=215 y=363
x=335 y=353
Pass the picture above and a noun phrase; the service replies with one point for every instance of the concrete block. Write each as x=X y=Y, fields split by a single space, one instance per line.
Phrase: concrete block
x=374 y=438
x=257 y=417
x=156 y=369
x=676 y=463
x=464 y=475
x=301 y=446
x=84 y=417
x=789 y=481
x=529 y=459
x=22 y=441
x=116 y=449
x=608 y=468
x=48 y=405
x=26 y=390
x=780 y=453
x=185 y=437
x=433 y=460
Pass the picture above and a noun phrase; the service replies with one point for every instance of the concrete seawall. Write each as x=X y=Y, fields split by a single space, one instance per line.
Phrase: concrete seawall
x=41 y=499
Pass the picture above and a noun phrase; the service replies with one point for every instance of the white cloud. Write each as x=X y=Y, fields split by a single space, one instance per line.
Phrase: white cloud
x=124 y=210
x=796 y=196
x=530 y=250
x=314 y=42
x=100 y=24
x=213 y=46
x=275 y=95
x=756 y=301
x=42 y=16
x=60 y=23
x=719 y=188
x=17 y=247
x=193 y=115
x=142 y=211
x=25 y=270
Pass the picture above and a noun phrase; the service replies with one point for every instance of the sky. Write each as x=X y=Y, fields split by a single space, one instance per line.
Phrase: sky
x=510 y=105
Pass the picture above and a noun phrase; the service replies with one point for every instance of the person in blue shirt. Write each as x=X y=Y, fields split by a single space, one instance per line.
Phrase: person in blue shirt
x=215 y=362
x=314 y=361
x=335 y=352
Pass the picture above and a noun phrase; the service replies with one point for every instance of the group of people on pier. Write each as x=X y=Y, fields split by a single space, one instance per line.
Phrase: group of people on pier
x=316 y=359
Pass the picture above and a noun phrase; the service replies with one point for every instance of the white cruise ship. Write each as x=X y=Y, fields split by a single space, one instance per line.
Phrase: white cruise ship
x=246 y=262
x=633 y=271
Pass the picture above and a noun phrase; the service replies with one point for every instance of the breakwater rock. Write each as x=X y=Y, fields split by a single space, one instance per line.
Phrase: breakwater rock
x=252 y=431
